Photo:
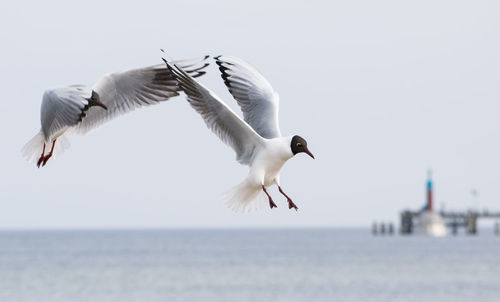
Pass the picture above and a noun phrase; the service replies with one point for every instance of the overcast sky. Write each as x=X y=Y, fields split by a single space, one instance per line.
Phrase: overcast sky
x=382 y=91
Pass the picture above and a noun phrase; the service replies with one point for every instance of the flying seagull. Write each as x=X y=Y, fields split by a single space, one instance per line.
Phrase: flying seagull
x=256 y=140
x=81 y=108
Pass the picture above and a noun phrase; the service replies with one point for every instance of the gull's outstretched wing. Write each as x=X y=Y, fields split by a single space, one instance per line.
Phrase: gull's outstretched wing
x=122 y=92
x=257 y=99
x=63 y=108
x=226 y=124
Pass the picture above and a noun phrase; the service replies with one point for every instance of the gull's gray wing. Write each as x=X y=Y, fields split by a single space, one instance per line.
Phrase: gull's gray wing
x=257 y=99
x=226 y=124
x=63 y=108
x=122 y=92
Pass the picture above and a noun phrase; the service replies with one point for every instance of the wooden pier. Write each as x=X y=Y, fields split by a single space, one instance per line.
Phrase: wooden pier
x=434 y=222
x=453 y=220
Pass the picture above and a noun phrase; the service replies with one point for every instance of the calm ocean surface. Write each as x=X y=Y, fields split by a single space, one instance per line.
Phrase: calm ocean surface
x=246 y=265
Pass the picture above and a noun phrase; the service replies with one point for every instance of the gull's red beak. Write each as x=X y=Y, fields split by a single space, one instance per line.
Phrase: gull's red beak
x=102 y=105
x=309 y=153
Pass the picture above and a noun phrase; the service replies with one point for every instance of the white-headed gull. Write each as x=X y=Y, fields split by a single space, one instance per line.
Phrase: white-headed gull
x=81 y=108
x=256 y=140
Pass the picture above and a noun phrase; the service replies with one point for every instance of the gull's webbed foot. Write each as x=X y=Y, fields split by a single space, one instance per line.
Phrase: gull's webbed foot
x=291 y=205
x=271 y=202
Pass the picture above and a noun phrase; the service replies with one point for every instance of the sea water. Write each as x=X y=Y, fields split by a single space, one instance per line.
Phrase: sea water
x=247 y=265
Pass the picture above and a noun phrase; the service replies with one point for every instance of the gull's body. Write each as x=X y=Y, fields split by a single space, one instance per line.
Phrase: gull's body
x=81 y=108
x=256 y=140
x=266 y=167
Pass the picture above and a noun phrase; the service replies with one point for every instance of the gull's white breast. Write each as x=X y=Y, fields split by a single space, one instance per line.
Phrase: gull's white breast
x=268 y=163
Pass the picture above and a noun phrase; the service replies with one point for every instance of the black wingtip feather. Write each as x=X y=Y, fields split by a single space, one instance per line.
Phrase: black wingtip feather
x=199 y=74
x=224 y=75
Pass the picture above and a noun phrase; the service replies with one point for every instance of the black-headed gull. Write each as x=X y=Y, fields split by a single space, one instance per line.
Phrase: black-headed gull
x=81 y=108
x=256 y=140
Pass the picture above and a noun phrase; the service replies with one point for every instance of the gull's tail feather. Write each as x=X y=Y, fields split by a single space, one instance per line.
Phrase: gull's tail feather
x=245 y=197
x=61 y=145
x=32 y=150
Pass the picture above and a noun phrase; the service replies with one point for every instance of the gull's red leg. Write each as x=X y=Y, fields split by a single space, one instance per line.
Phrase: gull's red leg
x=271 y=202
x=39 y=162
x=290 y=202
x=46 y=158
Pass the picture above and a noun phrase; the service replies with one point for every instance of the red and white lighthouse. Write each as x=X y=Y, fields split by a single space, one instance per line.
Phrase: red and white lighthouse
x=429 y=192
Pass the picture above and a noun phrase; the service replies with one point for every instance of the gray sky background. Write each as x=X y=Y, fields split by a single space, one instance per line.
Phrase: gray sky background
x=382 y=91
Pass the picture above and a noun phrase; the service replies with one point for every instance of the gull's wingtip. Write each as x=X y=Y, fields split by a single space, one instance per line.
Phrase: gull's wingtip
x=170 y=64
x=165 y=55
x=222 y=59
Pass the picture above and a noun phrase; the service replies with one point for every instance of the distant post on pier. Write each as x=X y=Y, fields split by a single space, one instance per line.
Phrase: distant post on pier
x=471 y=223
x=406 y=222
x=391 y=228
x=454 y=227
x=382 y=228
x=497 y=228
x=374 y=229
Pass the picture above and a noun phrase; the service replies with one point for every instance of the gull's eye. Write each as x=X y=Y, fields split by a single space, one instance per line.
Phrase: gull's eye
x=299 y=145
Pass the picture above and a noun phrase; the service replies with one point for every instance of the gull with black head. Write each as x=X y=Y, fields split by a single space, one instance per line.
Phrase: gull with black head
x=257 y=139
